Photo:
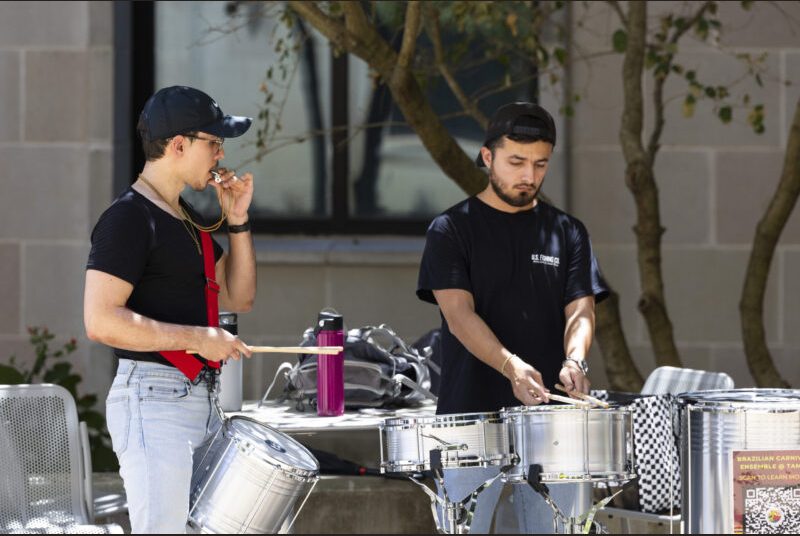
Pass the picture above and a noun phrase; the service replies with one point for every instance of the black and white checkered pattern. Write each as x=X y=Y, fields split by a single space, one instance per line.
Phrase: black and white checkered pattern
x=656 y=451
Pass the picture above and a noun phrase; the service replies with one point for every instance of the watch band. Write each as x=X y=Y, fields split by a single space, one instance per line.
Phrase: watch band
x=580 y=363
x=243 y=228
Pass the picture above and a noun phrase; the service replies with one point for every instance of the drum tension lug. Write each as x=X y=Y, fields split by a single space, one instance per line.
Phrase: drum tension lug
x=535 y=479
x=436 y=460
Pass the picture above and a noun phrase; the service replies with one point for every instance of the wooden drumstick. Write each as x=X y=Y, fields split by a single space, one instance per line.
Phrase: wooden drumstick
x=584 y=396
x=326 y=350
x=567 y=400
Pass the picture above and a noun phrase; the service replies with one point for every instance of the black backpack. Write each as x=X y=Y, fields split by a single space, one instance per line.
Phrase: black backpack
x=380 y=370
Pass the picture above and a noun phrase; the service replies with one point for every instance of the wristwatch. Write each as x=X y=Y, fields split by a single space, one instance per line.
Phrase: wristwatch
x=581 y=363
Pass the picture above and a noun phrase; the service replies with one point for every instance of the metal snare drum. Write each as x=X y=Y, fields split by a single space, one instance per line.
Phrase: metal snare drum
x=464 y=440
x=249 y=479
x=571 y=444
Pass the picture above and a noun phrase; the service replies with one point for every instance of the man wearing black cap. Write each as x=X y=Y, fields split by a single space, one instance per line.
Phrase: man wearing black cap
x=154 y=282
x=516 y=282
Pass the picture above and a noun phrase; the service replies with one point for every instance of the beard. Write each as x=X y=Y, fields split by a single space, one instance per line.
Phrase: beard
x=512 y=197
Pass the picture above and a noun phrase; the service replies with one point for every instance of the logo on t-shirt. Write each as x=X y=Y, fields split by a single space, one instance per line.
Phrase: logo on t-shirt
x=539 y=258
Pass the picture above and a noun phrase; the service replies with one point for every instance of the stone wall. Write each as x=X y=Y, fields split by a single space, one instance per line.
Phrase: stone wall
x=56 y=120
x=714 y=180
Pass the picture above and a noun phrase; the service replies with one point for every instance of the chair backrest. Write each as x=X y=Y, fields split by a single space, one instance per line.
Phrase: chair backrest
x=42 y=476
x=673 y=380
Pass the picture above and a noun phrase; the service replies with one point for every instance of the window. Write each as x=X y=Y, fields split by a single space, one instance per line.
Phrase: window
x=347 y=180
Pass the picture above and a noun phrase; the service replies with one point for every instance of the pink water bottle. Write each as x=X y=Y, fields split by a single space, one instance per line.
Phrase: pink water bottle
x=330 y=368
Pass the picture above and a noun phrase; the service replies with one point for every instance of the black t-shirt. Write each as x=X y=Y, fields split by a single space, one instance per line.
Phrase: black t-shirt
x=522 y=269
x=139 y=242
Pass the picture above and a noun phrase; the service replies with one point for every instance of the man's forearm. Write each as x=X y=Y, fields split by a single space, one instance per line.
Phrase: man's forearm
x=240 y=272
x=120 y=327
x=478 y=339
x=579 y=328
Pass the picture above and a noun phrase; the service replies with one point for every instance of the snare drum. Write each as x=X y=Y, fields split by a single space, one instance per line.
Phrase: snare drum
x=571 y=444
x=249 y=479
x=463 y=439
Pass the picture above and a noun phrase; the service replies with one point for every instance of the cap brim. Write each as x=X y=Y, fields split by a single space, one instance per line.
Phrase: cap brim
x=231 y=126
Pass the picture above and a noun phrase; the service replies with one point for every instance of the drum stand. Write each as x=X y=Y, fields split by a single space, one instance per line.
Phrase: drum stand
x=561 y=523
x=457 y=516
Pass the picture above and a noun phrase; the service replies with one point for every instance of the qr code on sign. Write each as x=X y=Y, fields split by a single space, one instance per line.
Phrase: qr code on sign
x=772 y=510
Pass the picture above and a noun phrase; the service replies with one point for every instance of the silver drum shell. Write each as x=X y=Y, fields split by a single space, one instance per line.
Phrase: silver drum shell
x=465 y=440
x=713 y=424
x=571 y=444
x=238 y=488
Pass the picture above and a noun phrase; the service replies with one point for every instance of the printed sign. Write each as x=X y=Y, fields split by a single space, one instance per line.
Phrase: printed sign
x=766 y=491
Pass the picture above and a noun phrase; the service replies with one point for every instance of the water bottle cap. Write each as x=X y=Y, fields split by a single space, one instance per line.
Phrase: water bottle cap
x=330 y=322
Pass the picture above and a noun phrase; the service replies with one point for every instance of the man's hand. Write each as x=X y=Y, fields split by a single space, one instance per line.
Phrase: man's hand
x=573 y=379
x=242 y=190
x=216 y=344
x=526 y=382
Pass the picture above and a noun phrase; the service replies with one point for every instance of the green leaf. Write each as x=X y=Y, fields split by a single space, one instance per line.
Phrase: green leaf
x=711 y=92
x=746 y=4
x=725 y=114
x=58 y=373
x=688 y=106
x=561 y=55
x=759 y=81
x=93 y=419
x=10 y=376
x=620 y=41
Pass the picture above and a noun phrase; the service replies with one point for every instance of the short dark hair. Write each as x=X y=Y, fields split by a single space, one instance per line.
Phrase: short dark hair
x=523 y=121
x=154 y=149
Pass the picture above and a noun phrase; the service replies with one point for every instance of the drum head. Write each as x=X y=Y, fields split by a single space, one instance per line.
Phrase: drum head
x=273 y=446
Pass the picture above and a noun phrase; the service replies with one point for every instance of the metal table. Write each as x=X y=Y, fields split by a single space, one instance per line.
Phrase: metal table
x=353 y=436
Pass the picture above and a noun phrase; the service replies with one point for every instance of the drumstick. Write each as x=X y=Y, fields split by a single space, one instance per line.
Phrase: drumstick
x=567 y=400
x=326 y=350
x=584 y=396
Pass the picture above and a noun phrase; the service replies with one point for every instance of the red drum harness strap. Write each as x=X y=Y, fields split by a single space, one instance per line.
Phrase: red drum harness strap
x=188 y=363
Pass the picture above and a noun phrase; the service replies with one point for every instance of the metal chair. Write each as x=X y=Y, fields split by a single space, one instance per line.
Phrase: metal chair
x=45 y=482
x=670 y=380
x=673 y=380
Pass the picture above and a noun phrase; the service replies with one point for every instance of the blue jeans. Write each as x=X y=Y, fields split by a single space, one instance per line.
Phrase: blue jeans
x=157 y=418
x=523 y=512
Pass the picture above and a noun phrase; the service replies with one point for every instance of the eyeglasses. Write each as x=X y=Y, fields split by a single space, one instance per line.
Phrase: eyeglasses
x=216 y=142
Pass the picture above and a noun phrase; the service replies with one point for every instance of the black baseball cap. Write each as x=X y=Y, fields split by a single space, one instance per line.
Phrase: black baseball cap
x=180 y=109
x=524 y=118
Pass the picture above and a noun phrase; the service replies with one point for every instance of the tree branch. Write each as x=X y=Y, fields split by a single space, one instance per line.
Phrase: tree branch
x=641 y=182
x=658 y=89
x=328 y=26
x=408 y=47
x=622 y=18
x=469 y=106
x=768 y=231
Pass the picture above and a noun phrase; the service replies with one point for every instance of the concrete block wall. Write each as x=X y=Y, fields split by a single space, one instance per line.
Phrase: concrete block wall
x=715 y=182
x=56 y=117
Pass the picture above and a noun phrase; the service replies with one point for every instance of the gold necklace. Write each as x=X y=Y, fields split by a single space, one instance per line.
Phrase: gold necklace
x=181 y=212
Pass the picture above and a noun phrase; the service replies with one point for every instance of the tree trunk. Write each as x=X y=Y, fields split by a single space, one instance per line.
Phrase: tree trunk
x=620 y=369
x=356 y=36
x=640 y=180
x=768 y=231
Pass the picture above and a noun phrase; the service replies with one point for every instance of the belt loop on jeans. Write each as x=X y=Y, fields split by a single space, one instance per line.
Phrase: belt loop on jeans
x=130 y=372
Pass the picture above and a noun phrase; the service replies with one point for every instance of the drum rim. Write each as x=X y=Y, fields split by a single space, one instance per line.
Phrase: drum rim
x=748 y=398
x=414 y=466
x=545 y=409
x=520 y=477
x=490 y=417
x=310 y=474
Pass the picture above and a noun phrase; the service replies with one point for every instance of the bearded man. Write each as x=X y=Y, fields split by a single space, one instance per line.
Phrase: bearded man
x=516 y=282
